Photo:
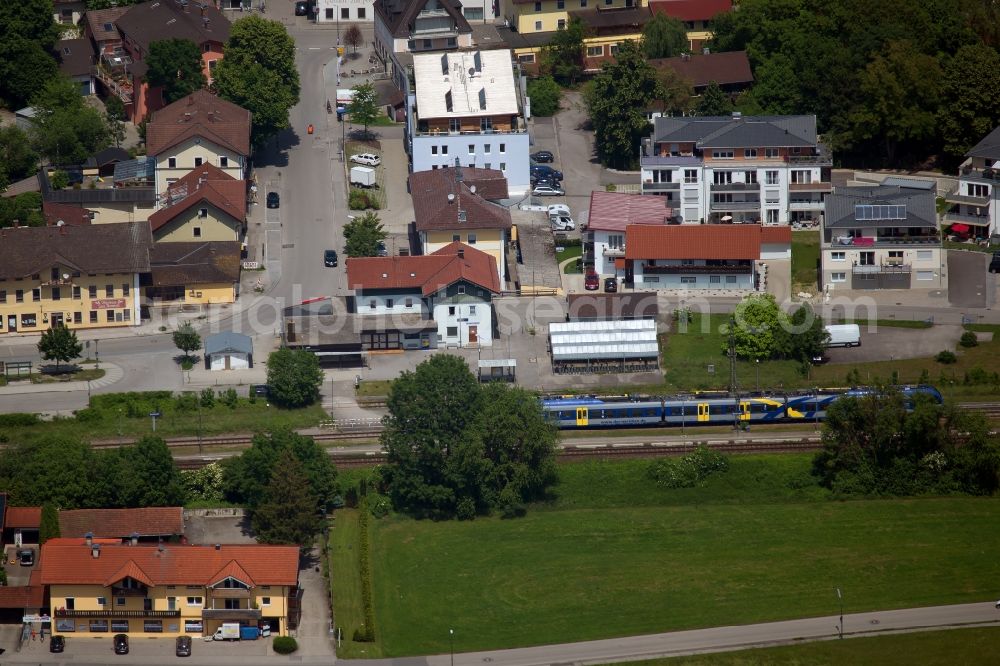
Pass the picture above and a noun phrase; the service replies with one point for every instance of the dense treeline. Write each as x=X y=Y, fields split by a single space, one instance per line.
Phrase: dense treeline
x=895 y=82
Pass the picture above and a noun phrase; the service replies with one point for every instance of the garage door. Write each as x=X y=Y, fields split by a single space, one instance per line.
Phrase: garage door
x=219 y=362
x=238 y=362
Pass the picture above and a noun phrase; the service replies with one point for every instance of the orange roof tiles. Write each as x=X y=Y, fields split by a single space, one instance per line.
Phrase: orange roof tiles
x=22 y=596
x=430 y=272
x=122 y=523
x=24 y=517
x=199 y=114
x=693 y=241
x=781 y=234
x=205 y=183
x=232 y=570
x=129 y=570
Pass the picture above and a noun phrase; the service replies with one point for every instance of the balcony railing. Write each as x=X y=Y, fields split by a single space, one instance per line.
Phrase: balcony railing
x=823 y=156
x=735 y=187
x=716 y=270
x=60 y=612
x=977 y=220
x=230 y=593
x=885 y=241
x=969 y=173
x=955 y=196
x=514 y=130
x=735 y=205
x=859 y=269
x=614 y=252
x=806 y=205
x=818 y=186
x=231 y=614
x=669 y=160
x=650 y=186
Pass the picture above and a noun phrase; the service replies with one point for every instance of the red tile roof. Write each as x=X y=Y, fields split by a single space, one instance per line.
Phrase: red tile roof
x=612 y=211
x=429 y=273
x=122 y=523
x=232 y=570
x=69 y=561
x=24 y=517
x=200 y=114
x=701 y=69
x=693 y=241
x=205 y=183
x=432 y=208
x=22 y=596
x=66 y=213
x=782 y=234
x=692 y=10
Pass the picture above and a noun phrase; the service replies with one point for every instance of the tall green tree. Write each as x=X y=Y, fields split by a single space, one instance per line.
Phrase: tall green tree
x=971 y=86
x=17 y=159
x=27 y=35
x=544 y=94
x=49 y=526
x=806 y=335
x=563 y=56
x=66 y=130
x=675 y=93
x=777 y=90
x=52 y=470
x=363 y=234
x=713 y=102
x=287 y=514
x=294 y=377
x=176 y=66
x=258 y=73
x=59 y=344
x=617 y=100
x=187 y=339
x=363 y=107
x=758 y=328
x=154 y=479
x=664 y=36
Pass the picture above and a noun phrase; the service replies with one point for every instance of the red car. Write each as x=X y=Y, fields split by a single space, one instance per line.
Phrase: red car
x=591 y=281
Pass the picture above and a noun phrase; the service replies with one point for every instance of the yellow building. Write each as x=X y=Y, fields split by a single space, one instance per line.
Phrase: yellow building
x=456 y=205
x=85 y=276
x=200 y=273
x=98 y=588
x=207 y=204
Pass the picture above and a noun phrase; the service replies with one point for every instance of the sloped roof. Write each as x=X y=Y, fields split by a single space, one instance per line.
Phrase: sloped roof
x=66 y=213
x=206 y=183
x=429 y=273
x=25 y=517
x=122 y=523
x=989 y=147
x=22 y=596
x=612 y=211
x=442 y=202
x=75 y=56
x=737 y=131
x=102 y=23
x=775 y=235
x=107 y=156
x=129 y=570
x=91 y=248
x=199 y=114
x=692 y=10
x=701 y=69
x=693 y=241
x=232 y=570
x=228 y=341
x=69 y=561
x=154 y=21
x=918 y=207
x=195 y=262
x=399 y=15
x=613 y=20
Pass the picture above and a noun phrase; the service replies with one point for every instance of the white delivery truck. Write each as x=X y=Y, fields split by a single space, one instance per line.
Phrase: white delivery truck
x=844 y=335
x=363 y=177
x=229 y=631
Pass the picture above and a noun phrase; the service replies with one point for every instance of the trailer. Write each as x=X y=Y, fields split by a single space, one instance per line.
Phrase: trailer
x=844 y=335
x=229 y=631
x=363 y=177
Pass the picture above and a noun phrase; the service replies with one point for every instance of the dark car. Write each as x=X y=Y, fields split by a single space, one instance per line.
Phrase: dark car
x=542 y=156
x=544 y=171
x=330 y=258
x=273 y=200
x=611 y=285
x=591 y=281
x=995 y=263
x=26 y=557
x=57 y=644
x=260 y=390
x=183 y=646
x=121 y=644
x=302 y=9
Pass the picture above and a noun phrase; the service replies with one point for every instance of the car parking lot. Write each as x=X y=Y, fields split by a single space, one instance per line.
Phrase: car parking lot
x=970 y=284
x=884 y=343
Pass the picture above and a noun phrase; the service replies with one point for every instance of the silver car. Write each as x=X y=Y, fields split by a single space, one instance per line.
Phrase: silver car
x=547 y=191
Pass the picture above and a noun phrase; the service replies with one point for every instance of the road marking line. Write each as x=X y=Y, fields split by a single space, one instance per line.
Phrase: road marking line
x=315 y=48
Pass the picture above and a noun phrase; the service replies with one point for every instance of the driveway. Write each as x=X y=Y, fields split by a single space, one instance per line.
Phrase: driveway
x=569 y=137
x=970 y=284
x=885 y=343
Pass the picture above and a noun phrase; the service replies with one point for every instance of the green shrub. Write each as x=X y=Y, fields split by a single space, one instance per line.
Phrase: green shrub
x=367 y=633
x=969 y=339
x=359 y=200
x=229 y=398
x=87 y=415
x=186 y=402
x=946 y=357
x=610 y=187
x=59 y=179
x=688 y=471
x=207 y=398
x=18 y=420
x=186 y=364
x=284 y=644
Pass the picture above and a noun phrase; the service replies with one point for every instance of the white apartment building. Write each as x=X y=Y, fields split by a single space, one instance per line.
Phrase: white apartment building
x=741 y=169
x=345 y=11
x=973 y=203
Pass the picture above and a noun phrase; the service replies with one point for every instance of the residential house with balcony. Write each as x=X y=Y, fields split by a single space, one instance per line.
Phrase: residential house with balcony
x=696 y=15
x=196 y=130
x=406 y=27
x=207 y=204
x=749 y=169
x=973 y=205
x=76 y=62
x=882 y=237
x=126 y=196
x=469 y=108
x=610 y=213
x=456 y=205
x=421 y=302
x=718 y=257
x=101 y=587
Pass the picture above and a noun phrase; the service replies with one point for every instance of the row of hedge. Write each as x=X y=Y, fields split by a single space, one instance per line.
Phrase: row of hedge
x=365 y=633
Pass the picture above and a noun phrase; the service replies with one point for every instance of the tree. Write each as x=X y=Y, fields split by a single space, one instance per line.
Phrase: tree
x=544 y=94
x=353 y=37
x=363 y=234
x=187 y=339
x=65 y=129
x=363 y=106
x=971 y=84
x=17 y=159
x=563 y=56
x=25 y=208
x=287 y=514
x=713 y=102
x=617 y=100
x=27 y=35
x=107 y=4
x=758 y=328
x=53 y=470
x=176 y=66
x=664 y=36
x=294 y=377
x=49 y=526
x=114 y=118
x=777 y=90
x=675 y=92
x=59 y=344
x=150 y=475
x=258 y=73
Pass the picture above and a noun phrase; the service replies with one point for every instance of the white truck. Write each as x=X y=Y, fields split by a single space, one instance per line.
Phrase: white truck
x=363 y=177
x=844 y=335
x=229 y=631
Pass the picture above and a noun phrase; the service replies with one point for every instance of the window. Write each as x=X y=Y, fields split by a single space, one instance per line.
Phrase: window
x=172 y=162
x=329 y=16
x=434 y=150
x=461 y=288
x=223 y=161
x=771 y=177
x=771 y=153
x=503 y=166
x=154 y=626
x=472 y=149
x=361 y=12
x=202 y=212
x=36 y=294
x=55 y=273
x=28 y=320
x=722 y=177
x=193 y=627
x=538 y=6
x=722 y=154
x=197 y=161
x=472 y=309
x=730 y=279
x=451 y=332
x=371 y=304
x=687 y=279
x=194 y=601
x=529 y=58
x=838 y=277
x=70 y=603
x=232 y=604
x=488 y=165
x=93 y=320
x=456 y=238
x=895 y=254
x=715 y=279
x=538 y=28
x=473 y=13
x=583 y=3
x=56 y=294
x=560 y=4
x=444 y=149
x=690 y=175
x=19 y=296
x=925 y=275
x=102 y=601
x=124 y=288
x=127 y=314
x=99 y=625
x=111 y=315
x=3 y=294
x=925 y=255
x=561 y=24
x=750 y=153
x=408 y=302
x=77 y=317
x=109 y=290
x=92 y=291
x=595 y=51
x=750 y=177
x=486 y=149
x=345 y=13
x=805 y=176
x=838 y=256
x=388 y=302
x=76 y=294
x=451 y=310
x=119 y=626
x=265 y=601
x=472 y=239
x=196 y=232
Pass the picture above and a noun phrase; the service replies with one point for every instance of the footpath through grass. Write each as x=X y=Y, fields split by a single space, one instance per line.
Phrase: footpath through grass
x=612 y=555
x=928 y=648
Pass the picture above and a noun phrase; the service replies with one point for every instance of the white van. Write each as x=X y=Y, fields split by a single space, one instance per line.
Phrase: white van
x=844 y=335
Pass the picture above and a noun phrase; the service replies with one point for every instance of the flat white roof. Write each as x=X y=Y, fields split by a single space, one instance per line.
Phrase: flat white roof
x=595 y=340
x=470 y=83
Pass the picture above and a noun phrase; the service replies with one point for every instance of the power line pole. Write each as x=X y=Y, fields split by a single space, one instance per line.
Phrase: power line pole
x=732 y=373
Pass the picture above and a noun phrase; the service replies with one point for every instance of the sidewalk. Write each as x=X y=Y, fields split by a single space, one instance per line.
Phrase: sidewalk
x=112 y=374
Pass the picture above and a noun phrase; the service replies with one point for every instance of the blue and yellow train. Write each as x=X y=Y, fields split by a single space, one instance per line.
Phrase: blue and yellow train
x=571 y=412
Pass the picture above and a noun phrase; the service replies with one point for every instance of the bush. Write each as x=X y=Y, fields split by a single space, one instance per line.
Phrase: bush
x=207 y=399
x=969 y=339
x=359 y=200
x=18 y=419
x=610 y=187
x=688 y=471
x=186 y=402
x=544 y=93
x=59 y=179
x=87 y=415
x=946 y=357
x=229 y=398
x=284 y=644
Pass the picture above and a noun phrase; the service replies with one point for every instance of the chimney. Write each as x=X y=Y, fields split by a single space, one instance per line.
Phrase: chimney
x=135 y=539
x=95 y=551
x=461 y=253
x=218 y=546
x=89 y=538
x=458 y=171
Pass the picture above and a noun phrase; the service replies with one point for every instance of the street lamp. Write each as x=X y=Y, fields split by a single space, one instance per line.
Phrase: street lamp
x=757 y=363
x=840 y=628
x=451 y=637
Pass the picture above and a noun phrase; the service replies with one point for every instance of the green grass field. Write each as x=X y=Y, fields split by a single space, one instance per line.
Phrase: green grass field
x=928 y=648
x=805 y=259
x=611 y=554
x=346 y=587
x=570 y=252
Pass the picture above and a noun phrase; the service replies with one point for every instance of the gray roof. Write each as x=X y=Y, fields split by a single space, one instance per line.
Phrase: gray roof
x=840 y=207
x=989 y=147
x=910 y=183
x=227 y=341
x=738 y=131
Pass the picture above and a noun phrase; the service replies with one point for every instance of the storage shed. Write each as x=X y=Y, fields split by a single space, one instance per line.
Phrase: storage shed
x=228 y=351
x=604 y=346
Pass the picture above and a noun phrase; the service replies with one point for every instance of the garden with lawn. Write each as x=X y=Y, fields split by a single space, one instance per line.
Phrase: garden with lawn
x=614 y=553
x=805 y=261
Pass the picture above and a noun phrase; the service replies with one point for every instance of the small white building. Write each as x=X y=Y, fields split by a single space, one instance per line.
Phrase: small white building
x=344 y=11
x=609 y=214
x=228 y=351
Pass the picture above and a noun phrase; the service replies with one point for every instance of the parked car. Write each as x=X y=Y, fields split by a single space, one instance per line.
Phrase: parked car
x=260 y=390
x=551 y=182
x=26 y=557
x=611 y=285
x=121 y=644
x=591 y=281
x=57 y=644
x=547 y=191
x=273 y=200
x=368 y=159
x=183 y=646
x=545 y=171
x=330 y=258
x=542 y=156
x=995 y=263
x=302 y=9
